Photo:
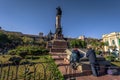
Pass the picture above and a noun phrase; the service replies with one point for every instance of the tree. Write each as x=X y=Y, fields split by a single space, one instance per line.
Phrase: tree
x=102 y=44
x=83 y=44
x=3 y=40
x=15 y=39
x=77 y=43
x=42 y=42
x=74 y=43
x=27 y=40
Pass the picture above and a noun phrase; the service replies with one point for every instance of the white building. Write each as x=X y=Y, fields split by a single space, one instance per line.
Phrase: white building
x=113 y=40
x=81 y=37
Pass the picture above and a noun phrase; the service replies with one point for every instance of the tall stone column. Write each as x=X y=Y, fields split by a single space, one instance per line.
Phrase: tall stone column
x=58 y=31
x=58 y=21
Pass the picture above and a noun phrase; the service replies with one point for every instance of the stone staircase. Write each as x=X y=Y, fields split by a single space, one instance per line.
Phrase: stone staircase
x=65 y=68
x=57 y=50
x=70 y=74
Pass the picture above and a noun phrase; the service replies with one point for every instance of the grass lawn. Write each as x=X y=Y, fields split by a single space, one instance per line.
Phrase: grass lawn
x=4 y=58
x=116 y=63
x=42 y=58
x=44 y=69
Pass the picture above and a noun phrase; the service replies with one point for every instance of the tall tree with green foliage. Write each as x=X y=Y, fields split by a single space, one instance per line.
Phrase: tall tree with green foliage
x=3 y=40
x=77 y=43
x=15 y=39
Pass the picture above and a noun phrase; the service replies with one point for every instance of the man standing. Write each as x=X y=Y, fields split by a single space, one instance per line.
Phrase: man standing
x=92 y=58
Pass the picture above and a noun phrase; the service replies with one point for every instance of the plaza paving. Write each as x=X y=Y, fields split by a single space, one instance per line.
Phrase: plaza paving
x=78 y=75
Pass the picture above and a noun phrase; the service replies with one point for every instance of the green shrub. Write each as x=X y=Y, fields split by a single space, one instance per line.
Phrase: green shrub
x=45 y=51
x=12 y=52
x=98 y=52
x=28 y=50
x=15 y=60
x=22 y=53
x=110 y=58
x=54 y=69
x=33 y=57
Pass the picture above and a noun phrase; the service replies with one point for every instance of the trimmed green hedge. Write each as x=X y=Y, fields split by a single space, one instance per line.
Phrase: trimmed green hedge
x=28 y=50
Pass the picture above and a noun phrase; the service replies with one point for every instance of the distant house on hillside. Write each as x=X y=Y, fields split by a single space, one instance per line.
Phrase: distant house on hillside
x=81 y=37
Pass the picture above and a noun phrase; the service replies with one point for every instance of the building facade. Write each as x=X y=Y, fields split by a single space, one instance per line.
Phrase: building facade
x=81 y=37
x=112 y=41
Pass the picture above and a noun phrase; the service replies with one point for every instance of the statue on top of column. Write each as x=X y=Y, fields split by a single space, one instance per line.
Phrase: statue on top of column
x=59 y=11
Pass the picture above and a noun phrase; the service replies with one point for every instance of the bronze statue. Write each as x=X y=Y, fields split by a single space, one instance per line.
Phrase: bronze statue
x=59 y=11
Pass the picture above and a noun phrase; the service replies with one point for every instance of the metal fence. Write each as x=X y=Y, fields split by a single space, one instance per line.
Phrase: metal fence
x=28 y=71
x=70 y=73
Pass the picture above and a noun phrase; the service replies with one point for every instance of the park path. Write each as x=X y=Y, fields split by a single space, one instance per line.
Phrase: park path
x=70 y=74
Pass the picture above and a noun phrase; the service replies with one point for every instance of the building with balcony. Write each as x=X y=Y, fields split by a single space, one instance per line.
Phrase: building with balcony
x=112 y=41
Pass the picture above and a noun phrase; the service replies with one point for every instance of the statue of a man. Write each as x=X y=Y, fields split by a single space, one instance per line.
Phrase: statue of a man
x=59 y=11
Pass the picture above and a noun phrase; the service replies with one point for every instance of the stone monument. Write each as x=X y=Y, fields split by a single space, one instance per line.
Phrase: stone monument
x=58 y=44
x=58 y=32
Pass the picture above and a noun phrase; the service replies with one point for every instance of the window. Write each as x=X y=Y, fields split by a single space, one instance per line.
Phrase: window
x=119 y=42
x=107 y=43
x=113 y=42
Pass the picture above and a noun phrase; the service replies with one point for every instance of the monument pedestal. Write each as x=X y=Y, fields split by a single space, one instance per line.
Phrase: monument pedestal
x=57 y=45
x=58 y=36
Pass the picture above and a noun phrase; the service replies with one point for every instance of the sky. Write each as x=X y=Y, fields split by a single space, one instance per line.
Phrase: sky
x=91 y=18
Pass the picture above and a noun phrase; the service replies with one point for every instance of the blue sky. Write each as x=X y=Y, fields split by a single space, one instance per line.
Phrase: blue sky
x=91 y=18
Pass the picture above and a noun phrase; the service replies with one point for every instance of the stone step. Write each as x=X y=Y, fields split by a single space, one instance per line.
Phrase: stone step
x=66 y=69
x=77 y=74
x=84 y=67
x=59 y=59
x=58 y=49
x=62 y=64
x=59 y=56
x=56 y=54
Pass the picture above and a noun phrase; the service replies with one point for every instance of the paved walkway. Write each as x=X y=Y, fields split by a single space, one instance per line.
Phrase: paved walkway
x=71 y=74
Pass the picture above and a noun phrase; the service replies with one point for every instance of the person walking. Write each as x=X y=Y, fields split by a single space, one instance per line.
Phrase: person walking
x=92 y=58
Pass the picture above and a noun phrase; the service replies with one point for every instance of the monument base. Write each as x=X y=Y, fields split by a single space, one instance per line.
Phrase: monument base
x=57 y=45
x=58 y=36
x=57 y=50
